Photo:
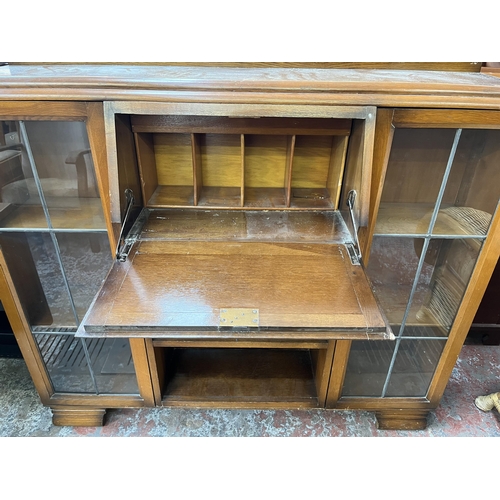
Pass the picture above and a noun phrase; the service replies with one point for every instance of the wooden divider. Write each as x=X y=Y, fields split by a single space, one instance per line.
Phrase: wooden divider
x=254 y=167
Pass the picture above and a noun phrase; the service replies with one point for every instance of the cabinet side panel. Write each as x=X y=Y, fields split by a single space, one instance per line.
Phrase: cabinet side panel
x=384 y=133
x=20 y=326
x=357 y=174
x=97 y=139
x=128 y=171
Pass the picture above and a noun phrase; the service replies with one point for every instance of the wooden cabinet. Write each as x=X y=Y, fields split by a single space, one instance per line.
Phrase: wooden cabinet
x=240 y=270
x=290 y=243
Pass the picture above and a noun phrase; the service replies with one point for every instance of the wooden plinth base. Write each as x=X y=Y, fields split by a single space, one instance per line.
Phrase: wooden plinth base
x=402 y=420
x=78 y=417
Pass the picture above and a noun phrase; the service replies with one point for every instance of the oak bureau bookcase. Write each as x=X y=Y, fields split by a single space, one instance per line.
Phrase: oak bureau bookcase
x=245 y=237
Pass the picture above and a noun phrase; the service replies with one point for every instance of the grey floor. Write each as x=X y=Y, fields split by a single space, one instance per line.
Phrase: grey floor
x=476 y=372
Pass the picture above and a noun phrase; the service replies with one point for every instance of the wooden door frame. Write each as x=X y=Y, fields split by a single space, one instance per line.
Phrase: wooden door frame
x=389 y=119
x=22 y=332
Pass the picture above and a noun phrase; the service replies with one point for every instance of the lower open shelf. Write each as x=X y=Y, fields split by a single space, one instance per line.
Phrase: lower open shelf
x=242 y=378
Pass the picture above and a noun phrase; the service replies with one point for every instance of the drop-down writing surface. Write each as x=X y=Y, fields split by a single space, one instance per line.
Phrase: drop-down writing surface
x=177 y=289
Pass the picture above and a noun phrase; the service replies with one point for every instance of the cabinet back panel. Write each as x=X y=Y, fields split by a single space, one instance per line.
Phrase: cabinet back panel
x=416 y=165
x=147 y=164
x=236 y=375
x=174 y=162
x=311 y=161
x=265 y=160
x=220 y=160
x=482 y=190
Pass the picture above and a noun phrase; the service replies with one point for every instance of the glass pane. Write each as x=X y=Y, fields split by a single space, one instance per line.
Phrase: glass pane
x=367 y=369
x=113 y=366
x=20 y=205
x=414 y=175
x=441 y=286
x=65 y=360
x=33 y=260
x=392 y=268
x=414 y=367
x=86 y=259
x=63 y=160
x=473 y=187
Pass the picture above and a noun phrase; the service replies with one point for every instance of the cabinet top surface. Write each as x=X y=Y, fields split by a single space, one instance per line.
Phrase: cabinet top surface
x=157 y=83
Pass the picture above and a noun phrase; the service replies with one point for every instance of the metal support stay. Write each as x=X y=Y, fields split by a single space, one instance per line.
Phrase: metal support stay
x=127 y=239
x=351 y=199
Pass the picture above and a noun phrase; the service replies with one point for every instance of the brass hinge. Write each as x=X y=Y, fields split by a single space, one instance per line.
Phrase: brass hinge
x=239 y=317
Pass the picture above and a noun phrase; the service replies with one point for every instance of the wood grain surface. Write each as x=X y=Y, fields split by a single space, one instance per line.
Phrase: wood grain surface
x=167 y=288
x=435 y=89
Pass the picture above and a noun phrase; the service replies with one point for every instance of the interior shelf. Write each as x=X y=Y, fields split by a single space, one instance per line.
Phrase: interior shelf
x=65 y=213
x=414 y=218
x=172 y=196
x=8 y=155
x=393 y=299
x=241 y=377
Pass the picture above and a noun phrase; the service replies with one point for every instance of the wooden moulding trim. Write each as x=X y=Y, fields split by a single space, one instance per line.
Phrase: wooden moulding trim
x=440 y=118
x=275 y=79
x=483 y=270
x=216 y=335
x=239 y=405
x=78 y=417
x=142 y=370
x=491 y=71
x=20 y=110
x=383 y=403
x=339 y=366
x=101 y=400
x=290 y=153
x=422 y=66
x=242 y=179
x=472 y=101
x=241 y=344
x=96 y=135
x=156 y=360
x=409 y=420
x=384 y=133
x=197 y=168
x=245 y=109
x=112 y=161
x=366 y=171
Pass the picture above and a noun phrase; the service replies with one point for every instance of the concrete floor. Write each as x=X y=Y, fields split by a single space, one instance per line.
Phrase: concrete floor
x=477 y=372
